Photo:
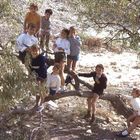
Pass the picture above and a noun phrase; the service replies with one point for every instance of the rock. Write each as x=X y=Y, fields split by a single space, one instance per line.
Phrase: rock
x=113 y=63
x=89 y=131
x=88 y=126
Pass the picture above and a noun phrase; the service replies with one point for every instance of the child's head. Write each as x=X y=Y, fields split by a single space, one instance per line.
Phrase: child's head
x=64 y=33
x=35 y=51
x=56 y=68
x=31 y=28
x=99 y=69
x=33 y=7
x=72 y=30
x=48 y=13
x=135 y=92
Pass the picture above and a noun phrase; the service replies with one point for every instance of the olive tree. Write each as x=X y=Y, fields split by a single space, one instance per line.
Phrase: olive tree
x=121 y=18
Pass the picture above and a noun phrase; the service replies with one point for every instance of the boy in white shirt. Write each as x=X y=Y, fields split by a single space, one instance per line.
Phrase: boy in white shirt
x=135 y=117
x=53 y=80
x=25 y=41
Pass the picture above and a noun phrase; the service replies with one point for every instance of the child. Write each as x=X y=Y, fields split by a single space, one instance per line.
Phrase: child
x=62 y=49
x=38 y=65
x=32 y=17
x=74 y=49
x=25 y=41
x=100 y=84
x=45 y=29
x=135 y=117
x=53 y=80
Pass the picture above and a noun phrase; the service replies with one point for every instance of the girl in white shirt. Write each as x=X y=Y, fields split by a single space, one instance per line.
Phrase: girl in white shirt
x=62 y=49
x=135 y=117
x=53 y=80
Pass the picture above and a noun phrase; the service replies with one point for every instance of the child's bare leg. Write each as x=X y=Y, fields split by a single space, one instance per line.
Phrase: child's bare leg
x=94 y=100
x=88 y=114
x=37 y=100
x=135 y=123
x=74 y=65
x=89 y=100
x=69 y=62
x=130 y=119
x=62 y=65
x=47 y=38
x=42 y=39
x=41 y=99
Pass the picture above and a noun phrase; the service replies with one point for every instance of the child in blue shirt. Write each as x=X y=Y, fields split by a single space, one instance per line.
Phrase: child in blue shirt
x=38 y=65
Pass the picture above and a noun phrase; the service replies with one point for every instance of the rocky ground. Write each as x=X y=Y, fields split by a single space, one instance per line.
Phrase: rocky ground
x=122 y=71
x=67 y=123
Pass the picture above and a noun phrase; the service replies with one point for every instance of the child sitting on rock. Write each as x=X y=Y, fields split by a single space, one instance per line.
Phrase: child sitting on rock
x=100 y=84
x=135 y=117
x=53 y=80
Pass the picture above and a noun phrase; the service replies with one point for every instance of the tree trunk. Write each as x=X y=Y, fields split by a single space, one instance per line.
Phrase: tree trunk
x=117 y=102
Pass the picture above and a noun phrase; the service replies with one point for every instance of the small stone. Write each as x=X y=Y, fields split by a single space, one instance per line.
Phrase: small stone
x=89 y=131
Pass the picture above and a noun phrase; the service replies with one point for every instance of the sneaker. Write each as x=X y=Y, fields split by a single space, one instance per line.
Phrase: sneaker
x=119 y=134
x=63 y=88
x=80 y=93
x=40 y=108
x=88 y=115
x=92 y=118
x=52 y=105
x=68 y=79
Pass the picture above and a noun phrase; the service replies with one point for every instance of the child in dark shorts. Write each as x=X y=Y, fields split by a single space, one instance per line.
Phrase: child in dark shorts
x=61 y=49
x=100 y=84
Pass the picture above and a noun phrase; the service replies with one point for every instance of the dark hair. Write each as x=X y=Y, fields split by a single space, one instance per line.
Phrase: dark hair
x=66 y=31
x=34 y=48
x=72 y=27
x=48 y=11
x=100 y=66
x=31 y=25
x=137 y=91
x=57 y=66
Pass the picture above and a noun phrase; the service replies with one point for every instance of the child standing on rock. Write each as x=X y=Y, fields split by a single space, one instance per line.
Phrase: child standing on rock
x=45 y=29
x=38 y=66
x=32 y=17
x=75 y=44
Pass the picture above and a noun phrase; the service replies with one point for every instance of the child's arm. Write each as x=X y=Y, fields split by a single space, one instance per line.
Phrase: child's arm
x=103 y=82
x=67 y=49
x=58 y=85
x=48 y=80
x=91 y=74
x=25 y=22
x=128 y=97
x=20 y=43
x=38 y=23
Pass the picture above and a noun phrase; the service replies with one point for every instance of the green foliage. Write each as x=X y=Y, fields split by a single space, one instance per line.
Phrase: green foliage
x=16 y=85
x=120 y=16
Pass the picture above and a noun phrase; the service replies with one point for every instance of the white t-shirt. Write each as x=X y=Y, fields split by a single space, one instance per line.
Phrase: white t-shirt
x=53 y=81
x=25 y=40
x=62 y=43
x=135 y=103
